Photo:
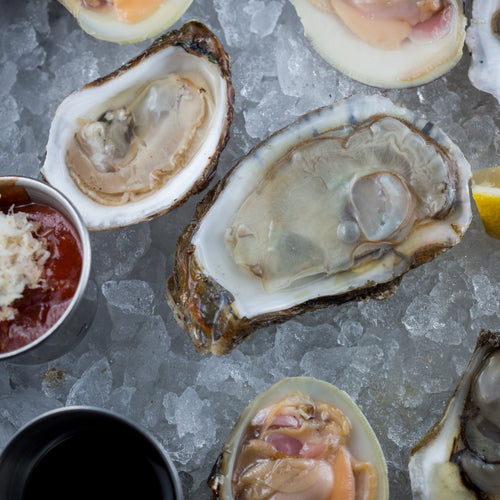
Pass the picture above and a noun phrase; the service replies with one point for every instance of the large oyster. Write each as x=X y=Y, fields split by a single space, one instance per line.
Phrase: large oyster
x=138 y=142
x=483 y=40
x=126 y=21
x=459 y=458
x=386 y=44
x=301 y=439
x=336 y=206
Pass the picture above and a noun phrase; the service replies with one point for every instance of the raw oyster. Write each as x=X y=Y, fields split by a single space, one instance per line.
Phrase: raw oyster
x=386 y=44
x=460 y=455
x=138 y=142
x=336 y=206
x=126 y=21
x=302 y=438
x=483 y=40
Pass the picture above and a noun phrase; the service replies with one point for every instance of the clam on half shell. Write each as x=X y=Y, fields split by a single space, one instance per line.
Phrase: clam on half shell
x=386 y=44
x=483 y=40
x=302 y=438
x=334 y=207
x=136 y=143
x=126 y=21
x=459 y=457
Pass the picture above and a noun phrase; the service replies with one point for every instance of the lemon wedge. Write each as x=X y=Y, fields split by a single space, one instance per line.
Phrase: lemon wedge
x=486 y=193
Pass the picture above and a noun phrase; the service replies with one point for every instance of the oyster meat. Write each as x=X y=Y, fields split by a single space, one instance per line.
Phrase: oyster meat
x=336 y=206
x=459 y=458
x=483 y=40
x=302 y=438
x=386 y=44
x=126 y=21
x=136 y=143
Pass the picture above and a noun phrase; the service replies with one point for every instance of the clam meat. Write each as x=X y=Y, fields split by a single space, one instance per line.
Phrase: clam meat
x=386 y=44
x=459 y=457
x=336 y=206
x=126 y=21
x=136 y=143
x=301 y=439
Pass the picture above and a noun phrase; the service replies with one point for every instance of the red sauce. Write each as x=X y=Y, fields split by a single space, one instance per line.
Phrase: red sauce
x=40 y=308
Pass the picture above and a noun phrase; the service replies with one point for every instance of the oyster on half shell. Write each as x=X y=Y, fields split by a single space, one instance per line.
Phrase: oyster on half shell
x=334 y=207
x=301 y=439
x=136 y=143
x=459 y=457
x=483 y=40
x=126 y=21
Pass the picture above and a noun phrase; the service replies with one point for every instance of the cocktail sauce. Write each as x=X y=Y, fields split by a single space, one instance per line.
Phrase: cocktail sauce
x=40 y=308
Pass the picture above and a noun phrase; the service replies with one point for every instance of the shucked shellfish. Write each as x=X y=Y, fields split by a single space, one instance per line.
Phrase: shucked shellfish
x=126 y=21
x=138 y=142
x=483 y=40
x=459 y=457
x=301 y=439
x=334 y=207
x=402 y=43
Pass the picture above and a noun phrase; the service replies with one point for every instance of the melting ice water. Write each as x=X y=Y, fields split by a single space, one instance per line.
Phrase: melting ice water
x=399 y=359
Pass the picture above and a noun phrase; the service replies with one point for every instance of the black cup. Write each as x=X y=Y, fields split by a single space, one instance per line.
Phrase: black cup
x=86 y=453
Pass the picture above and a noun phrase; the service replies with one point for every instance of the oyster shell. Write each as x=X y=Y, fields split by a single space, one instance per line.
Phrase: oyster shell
x=126 y=21
x=337 y=206
x=386 y=44
x=459 y=457
x=136 y=143
x=291 y=438
x=483 y=40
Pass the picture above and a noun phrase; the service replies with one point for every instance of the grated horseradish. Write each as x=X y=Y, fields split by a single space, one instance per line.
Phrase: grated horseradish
x=22 y=259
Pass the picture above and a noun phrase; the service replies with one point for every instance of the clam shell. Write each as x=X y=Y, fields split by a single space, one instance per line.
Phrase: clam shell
x=104 y=26
x=408 y=66
x=362 y=440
